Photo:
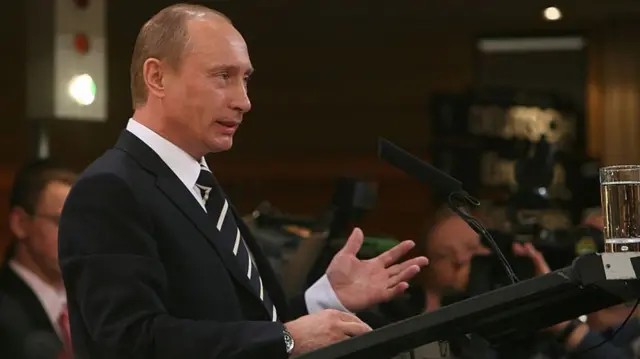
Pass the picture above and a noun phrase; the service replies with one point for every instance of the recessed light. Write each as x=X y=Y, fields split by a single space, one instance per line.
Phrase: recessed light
x=552 y=13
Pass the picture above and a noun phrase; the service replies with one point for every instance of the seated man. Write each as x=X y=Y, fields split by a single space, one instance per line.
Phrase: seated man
x=451 y=245
x=32 y=296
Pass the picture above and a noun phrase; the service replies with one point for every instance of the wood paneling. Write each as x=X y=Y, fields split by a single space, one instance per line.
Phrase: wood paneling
x=594 y=105
x=614 y=94
x=14 y=140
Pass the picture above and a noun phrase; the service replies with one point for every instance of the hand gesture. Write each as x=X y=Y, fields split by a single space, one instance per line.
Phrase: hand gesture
x=360 y=284
x=528 y=250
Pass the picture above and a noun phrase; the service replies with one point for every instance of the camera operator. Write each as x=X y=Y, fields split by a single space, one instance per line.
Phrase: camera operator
x=578 y=338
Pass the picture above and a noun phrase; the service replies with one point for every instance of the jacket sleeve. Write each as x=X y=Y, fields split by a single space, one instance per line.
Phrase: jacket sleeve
x=596 y=346
x=117 y=287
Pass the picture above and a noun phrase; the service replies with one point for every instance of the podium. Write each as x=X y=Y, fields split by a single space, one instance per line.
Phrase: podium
x=593 y=282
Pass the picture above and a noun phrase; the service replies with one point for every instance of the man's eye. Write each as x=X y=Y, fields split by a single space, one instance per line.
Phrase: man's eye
x=224 y=75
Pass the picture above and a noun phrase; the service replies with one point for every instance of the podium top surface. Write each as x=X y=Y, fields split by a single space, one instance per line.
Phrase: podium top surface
x=591 y=283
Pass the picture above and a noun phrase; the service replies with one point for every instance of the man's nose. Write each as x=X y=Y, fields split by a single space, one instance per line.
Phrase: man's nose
x=241 y=102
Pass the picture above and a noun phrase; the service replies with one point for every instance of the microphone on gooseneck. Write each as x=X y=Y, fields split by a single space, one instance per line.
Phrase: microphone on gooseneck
x=441 y=182
x=417 y=168
x=42 y=345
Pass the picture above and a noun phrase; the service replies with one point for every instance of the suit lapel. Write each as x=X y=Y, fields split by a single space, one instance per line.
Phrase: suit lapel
x=179 y=195
x=30 y=305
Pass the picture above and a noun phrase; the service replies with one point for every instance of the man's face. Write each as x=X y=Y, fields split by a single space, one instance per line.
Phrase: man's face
x=451 y=247
x=207 y=95
x=41 y=228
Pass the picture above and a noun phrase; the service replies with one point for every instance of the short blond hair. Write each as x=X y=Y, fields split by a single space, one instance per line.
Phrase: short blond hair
x=164 y=37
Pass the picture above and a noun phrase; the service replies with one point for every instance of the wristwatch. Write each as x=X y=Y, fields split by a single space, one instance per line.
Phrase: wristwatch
x=567 y=330
x=288 y=341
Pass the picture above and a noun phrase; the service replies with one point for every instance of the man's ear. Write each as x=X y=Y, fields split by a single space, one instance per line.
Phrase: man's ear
x=18 y=222
x=153 y=74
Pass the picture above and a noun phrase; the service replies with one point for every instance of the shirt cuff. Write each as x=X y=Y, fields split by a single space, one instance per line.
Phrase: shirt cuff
x=320 y=296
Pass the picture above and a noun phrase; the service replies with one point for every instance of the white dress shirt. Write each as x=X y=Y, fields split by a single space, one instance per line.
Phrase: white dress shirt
x=52 y=299
x=318 y=297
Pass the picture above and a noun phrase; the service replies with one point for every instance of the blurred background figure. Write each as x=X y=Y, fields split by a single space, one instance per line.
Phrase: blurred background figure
x=451 y=245
x=33 y=321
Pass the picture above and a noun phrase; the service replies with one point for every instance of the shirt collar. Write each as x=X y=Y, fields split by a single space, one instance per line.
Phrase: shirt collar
x=52 y=299
x=186 y=168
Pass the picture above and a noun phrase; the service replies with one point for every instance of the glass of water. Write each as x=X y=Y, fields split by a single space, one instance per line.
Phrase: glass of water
x=620 y=198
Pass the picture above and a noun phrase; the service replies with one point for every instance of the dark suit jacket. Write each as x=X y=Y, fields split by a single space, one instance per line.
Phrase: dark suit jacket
x=145 y=274
x=25 y=329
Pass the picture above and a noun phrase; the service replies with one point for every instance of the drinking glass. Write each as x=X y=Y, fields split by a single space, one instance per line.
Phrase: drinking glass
x=620 y=199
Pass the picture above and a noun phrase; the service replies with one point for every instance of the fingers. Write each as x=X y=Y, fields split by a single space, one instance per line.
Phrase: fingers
x=397 y=290
x=351 y=325
x=394 y=254
x=352 y=329
x=398 y=268
x=347 y=317
x=354 y=242
x=403 y=276
x=525 y=250
x=528 y=250
x=518 y=249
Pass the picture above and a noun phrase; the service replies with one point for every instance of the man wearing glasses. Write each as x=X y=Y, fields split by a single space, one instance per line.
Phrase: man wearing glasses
x=33 y=321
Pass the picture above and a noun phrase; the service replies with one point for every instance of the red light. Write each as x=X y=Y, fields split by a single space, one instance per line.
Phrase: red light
x=81 y=43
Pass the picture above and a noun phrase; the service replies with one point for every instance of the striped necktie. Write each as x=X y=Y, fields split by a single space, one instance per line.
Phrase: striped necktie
x=218 y=209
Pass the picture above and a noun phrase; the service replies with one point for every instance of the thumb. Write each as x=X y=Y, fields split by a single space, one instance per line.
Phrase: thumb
x=354 y=242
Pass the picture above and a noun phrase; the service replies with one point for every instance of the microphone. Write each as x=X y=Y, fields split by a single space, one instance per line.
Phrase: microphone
x=442 y=182
x=42 y=345
x=417 y=168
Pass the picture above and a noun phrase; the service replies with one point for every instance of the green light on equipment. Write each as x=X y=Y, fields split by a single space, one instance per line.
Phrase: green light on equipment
x=82 y=89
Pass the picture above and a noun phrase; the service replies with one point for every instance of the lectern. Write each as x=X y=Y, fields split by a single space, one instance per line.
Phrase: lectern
x=593 y=282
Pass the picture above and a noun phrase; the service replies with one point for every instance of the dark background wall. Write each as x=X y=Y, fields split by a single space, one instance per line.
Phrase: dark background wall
x=331 y=77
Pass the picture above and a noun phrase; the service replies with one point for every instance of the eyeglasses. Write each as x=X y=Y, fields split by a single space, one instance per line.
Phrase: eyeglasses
x=53 y=218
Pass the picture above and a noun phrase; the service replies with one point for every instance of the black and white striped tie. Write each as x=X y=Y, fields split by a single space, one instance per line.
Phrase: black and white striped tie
x=218 y=209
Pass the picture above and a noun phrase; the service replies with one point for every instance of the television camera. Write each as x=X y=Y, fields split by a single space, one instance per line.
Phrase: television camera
x=530 y=214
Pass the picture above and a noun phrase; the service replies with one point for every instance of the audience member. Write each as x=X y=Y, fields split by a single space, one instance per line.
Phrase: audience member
x=33 y=319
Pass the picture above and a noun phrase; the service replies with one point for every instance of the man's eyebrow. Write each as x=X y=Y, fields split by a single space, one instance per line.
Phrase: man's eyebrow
x=229 y=67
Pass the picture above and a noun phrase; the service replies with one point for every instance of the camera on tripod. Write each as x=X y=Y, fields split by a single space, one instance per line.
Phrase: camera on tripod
x=531 y=214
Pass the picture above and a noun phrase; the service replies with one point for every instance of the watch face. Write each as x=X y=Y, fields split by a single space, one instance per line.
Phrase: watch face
x=288 y=342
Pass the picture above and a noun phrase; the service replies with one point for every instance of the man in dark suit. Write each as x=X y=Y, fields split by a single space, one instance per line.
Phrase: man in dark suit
x=156 y=261
x=33 y=320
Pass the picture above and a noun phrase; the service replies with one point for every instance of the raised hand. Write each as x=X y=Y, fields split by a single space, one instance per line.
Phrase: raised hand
x=360 y=284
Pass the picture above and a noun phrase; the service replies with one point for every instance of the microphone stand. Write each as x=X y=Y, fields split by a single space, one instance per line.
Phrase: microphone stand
x=457 y=201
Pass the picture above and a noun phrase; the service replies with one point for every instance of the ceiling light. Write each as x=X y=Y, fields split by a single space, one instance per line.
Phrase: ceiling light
x=552 y=13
